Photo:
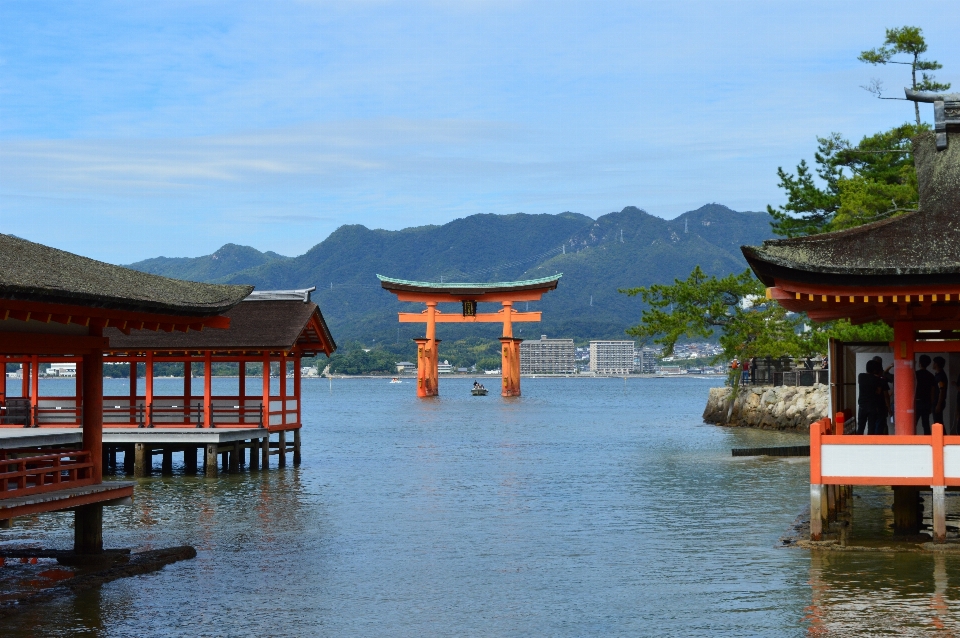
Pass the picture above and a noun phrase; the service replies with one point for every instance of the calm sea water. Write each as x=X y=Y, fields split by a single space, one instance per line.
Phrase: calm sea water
x=588 y=507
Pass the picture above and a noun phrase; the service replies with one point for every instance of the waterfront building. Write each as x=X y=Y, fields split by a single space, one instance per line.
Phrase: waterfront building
x=467 y=295
x=611 y=357
x=56 y=304
x=444 y=368
x=62 y=370
x=406 y=366
x=547 y=356
x=904 y=271
x=647 y=360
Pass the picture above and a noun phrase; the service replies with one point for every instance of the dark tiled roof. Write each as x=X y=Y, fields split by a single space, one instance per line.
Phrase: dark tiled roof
x=254 y=326
x=921 y=247
x=34 y=272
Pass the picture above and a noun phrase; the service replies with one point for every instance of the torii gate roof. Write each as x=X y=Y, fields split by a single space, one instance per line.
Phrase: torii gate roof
x=457 y=291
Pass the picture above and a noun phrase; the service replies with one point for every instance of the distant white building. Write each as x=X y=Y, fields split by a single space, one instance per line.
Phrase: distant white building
x=308 y=371
x=406 y=366
x=611 y=357
x=62 y=370
x=444 y=368
x=548 y=356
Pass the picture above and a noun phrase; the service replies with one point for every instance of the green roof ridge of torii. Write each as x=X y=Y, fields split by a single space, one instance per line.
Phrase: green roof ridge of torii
x=458 y=285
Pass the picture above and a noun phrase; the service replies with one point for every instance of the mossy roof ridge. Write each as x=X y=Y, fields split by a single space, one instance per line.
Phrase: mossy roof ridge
x=34 y=272
x=920 y=244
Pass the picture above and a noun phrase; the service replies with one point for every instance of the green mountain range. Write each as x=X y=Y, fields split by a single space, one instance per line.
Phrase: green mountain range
x=596 y=256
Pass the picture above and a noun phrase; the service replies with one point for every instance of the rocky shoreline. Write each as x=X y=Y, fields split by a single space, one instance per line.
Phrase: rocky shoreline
x=768 y=407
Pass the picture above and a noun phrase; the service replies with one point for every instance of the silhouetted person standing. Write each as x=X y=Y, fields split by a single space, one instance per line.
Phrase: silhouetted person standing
x=940 y=390
x=868 y=387
x=923 y=396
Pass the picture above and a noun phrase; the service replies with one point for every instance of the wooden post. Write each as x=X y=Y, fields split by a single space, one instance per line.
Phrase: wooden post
x=510 y=366
x=210 y=461
x=831 y=503
x=296 y=387
x=283 y=388
x=266 y=391
x=423 y=367
x=282 y=462
x=907 y=509
x=93 y=408
x=254 y=454
x=35 y=387
x=148 y=390
x=190 y=459
x=166 y=467
x=939 y=514
x=816 y=515
x=265 y=452
x=242 y=384
x=142 y=460
x=88 y=529
x=3 y=379
x=235 y=458
x=25 y=379
x=296 y=447
x=207 y=389
x=128 y=464
x=133 y=388
x=904 y=378
x=187 y=392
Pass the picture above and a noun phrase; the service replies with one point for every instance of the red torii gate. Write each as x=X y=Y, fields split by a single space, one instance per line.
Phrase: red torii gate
x=468 y=294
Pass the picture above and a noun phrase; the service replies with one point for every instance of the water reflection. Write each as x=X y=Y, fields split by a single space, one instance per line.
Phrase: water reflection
x=588 y=507
x=874 y=594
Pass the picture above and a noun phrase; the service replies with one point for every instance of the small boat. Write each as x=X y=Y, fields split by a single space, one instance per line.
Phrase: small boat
x=395 y=380
x=479 y=392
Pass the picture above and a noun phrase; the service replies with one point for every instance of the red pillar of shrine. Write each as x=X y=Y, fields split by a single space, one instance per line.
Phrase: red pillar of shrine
x=904 y=378
x=92 y=410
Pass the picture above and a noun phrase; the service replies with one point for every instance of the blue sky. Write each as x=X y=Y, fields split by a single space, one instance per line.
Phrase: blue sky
x=130 y=130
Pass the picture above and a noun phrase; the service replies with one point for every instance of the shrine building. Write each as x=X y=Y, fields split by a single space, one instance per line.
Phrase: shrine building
x=54 y=303
x=904 y=271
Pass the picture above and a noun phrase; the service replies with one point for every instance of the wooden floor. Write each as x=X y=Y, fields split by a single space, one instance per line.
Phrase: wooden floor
x=131 y=450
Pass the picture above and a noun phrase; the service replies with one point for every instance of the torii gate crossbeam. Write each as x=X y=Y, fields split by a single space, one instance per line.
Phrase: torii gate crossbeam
x=468 y=294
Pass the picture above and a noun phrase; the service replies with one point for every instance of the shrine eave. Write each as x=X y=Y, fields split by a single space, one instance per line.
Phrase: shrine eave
x=462 y=289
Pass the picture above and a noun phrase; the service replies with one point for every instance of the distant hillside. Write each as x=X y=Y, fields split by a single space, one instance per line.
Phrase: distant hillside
x=228 y=260
x=618 y=250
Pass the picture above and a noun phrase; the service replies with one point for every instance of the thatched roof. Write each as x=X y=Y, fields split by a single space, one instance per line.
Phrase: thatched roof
x=34 y=272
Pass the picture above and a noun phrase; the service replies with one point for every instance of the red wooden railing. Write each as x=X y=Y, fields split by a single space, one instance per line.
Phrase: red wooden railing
x=164 y=411
x=48 y=470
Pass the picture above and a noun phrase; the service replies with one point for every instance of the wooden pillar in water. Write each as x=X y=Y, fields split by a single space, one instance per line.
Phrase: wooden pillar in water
x=210 y=461
x=190 y=459
x=265 y=452
x=816 y=512
x=254 y=454
x=242 y=391
x=88 y=529
x=235 y=458
x=166 y=466
x=296 y=447
x=128 y=455
x=282 y=460
x=142 y=460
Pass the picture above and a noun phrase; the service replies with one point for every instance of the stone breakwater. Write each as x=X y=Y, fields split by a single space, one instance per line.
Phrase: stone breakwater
x=769 y=407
